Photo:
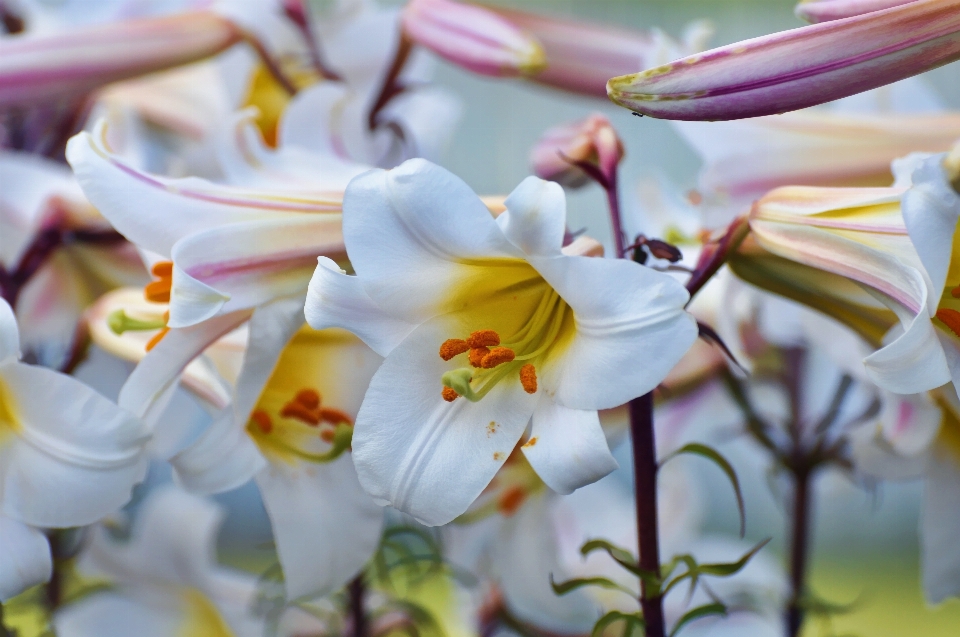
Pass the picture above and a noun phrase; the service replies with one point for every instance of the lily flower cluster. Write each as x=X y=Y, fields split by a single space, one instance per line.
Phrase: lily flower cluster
x=233 y=262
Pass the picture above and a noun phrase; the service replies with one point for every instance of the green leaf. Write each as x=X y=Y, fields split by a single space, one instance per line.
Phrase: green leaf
x=624 y=558
x=630 y=623
x=729 y=568
x=565 y=587
x=704 y=451
x=697 y=613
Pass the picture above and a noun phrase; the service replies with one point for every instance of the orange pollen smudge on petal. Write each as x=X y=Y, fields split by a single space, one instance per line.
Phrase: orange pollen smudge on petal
x=483 y=338
x=156 y=338
x=453 y=347
x=335 y=416
x=262 y=421
x=449 y=394
x=528 y=378
x=950 y=318
x=497 y=356
x=159 y=291
x=955 y=292
x=511 y=500
x=327 y=435
x=477 y=355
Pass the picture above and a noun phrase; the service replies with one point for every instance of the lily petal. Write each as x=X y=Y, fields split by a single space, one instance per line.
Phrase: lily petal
x=633 y=339
x=567 y=447
x=536 y=217
x=9 y=333
x=931 y=208
x=325 y=527
x=795 y=69
x=25 y=558
x=335 y=299
x=223 y=458
x=425 y=456
x=940 y=556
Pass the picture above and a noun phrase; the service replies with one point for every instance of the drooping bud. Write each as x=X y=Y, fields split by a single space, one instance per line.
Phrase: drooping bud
x=472 y=37
x=592 y=141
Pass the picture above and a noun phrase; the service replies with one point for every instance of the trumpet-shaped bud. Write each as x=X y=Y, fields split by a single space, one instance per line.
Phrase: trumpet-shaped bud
x=472 y=37
x=798 y=68
x=591 y=140
x=825 y=10
x=34 y=69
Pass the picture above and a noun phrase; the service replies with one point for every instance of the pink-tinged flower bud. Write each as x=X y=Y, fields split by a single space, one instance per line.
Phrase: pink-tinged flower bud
x=825 y=10
x=38 y=68
x=587 y=141
x=798 y=68
x=473 y=37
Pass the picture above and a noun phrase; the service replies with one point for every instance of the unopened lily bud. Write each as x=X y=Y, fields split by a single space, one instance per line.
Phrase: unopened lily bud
x=38 y=68
x=472 y=37
x=587 y=141
x=825 y=10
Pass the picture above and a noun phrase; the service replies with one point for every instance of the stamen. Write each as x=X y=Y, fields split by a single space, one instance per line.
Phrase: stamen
x=955 y=292
x=327 y=435
x=262 y=420
x=335 y=416
x=528 y=378
x=477 y=354
x=483 y=338
x=453 y=347
x=162 y=269
x=511 y=500
x=309 y=398
x=950 y=318
x=156 y=338
x=449 y=394
x=497 y=356
x=159 y=291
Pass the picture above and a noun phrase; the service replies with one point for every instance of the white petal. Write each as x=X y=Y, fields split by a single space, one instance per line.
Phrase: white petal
x=428 y=116
x=111 y=615
x=874 y=456
x=910 y=423
x=324 y=525
x=9 y=334
x=526 y=557
x=940 y=551
x=149 y=387
x=631 y=330
x=223 y=458
x=567 y=447
x=306 y=121
x=930 y=211
x=335 y=299
x=24 y=558
x=409 y=230
x=247 y=264
x=914 y=362
x=76 y=455
x=536 y=217
x=427 y=457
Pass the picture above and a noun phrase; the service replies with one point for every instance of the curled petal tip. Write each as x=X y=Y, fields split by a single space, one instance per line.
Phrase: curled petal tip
x=798 y=68
x=473 y=37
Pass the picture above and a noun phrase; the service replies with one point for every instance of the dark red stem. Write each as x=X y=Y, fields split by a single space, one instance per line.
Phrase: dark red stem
x=799 y=551
x=358 y=613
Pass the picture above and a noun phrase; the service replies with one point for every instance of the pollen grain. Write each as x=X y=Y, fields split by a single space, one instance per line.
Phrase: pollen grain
x=449 y=394
x=483 y=338
x=528 y=378
x=453 y=347
x=497 y=356
x=262 y=421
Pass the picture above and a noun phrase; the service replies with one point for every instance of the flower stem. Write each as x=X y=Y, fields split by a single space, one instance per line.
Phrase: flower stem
x=645 y=482
x=799 y=550
x=357 y=592
x=613 y=199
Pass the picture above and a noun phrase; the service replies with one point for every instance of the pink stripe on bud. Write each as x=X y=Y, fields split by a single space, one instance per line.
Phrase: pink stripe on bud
x=590 y=140
x=799 y=68
x=34 y=69
x=473 y=37
x=825 y=10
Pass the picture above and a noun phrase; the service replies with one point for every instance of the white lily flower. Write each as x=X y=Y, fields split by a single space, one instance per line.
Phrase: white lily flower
x=289 y=428
x=68 y=457
x=549 y=337
x=166 y=580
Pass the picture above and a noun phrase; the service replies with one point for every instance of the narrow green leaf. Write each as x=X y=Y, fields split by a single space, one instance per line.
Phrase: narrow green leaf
x=624 y=558
x=697 y=613
x=630 y=623
x=705 y=451
x=565 y=587
x=729 y=568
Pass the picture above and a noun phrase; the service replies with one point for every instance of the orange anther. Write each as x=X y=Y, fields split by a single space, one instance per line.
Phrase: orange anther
x=449 y=394
x=453 y=347
x=497 y=356
x=162 y=269
x=262 y=420
x=335 y=416
x=955 y=292
x=477 y=354
x=295 y=410
x=157 y=291
x=327 y=435
x=528 y=378
x=950 y=318
x=309 y=398
x=511 y=500
x=156 y=338
x=483 y=338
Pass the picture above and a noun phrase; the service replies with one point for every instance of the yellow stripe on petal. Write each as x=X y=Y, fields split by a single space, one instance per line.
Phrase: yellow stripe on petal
x=9 y=423
x=201 y=617
x=271 y=99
